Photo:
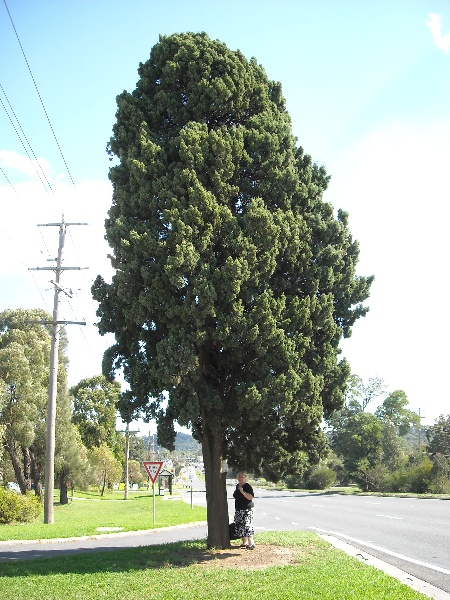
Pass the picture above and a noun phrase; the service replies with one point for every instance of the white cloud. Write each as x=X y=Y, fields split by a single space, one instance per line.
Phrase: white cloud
x=23 y=245
x=33 y=168
x=441 y=41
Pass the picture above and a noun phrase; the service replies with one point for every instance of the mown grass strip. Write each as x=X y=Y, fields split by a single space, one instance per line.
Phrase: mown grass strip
x=178 y=571
x=85 y=515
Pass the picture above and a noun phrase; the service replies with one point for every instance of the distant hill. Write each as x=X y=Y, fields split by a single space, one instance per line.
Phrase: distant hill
x=186 y=443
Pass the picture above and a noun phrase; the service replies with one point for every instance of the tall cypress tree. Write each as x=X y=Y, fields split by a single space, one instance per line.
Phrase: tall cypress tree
x=234 y=281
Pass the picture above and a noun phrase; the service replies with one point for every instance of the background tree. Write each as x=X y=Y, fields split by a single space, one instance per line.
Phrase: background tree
x=24 y=371
x=137 y=448
x=397 y=423
x=3 y=402
x=94 y=411
x=135 y=474
x=234 y=281
x=393 y=449
x=359 y=442
x=391 y=462
x=71 y=463
x=362 y=393
x=438 y=436
x=106 y=466
x=393 y=410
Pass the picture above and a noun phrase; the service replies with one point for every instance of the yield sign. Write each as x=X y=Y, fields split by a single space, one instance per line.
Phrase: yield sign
x=153 y=469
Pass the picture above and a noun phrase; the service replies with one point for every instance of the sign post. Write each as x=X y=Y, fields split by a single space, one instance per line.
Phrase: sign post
x=191 y=475
x=153 y=469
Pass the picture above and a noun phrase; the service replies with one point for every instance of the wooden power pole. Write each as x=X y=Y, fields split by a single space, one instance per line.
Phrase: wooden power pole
x=53 y=381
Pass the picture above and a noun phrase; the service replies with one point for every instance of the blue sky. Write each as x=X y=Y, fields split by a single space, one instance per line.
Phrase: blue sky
x=367 y=86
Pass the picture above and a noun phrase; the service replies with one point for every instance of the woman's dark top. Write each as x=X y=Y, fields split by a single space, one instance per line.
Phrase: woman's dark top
x=240 y=501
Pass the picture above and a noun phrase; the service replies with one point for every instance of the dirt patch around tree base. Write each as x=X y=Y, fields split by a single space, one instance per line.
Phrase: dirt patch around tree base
x=239 y=558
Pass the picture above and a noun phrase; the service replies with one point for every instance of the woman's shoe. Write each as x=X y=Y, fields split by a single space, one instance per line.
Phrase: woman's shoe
x=243 y=546
x=252 y=547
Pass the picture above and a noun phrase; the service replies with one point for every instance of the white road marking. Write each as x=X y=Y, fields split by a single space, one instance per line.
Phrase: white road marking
x=388 y=517
x=294 y=523
x=385 y=551
x=278 y=518
x=317 y=505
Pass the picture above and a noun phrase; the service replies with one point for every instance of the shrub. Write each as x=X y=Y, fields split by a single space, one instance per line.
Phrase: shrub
x=294 y=481
x=321 y=478
x=17 y=508
x=420 y=477
x=416 y=478
x=396 y=482
x=374 y=477
x=440 y=483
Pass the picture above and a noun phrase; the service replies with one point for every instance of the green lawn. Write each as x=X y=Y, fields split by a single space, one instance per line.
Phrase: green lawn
x=183 y=571
x=87 y=512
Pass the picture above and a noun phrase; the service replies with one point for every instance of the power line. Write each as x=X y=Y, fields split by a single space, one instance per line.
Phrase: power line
x=33 y=153
x=23 y=145
x=5 y=234
x=5 y=176
x=39 y=95
x=26 y=139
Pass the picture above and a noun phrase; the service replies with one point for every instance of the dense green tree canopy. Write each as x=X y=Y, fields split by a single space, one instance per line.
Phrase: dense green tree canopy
x=359 y=442
x=71 y=463
x=94 y=410
x=394 y=411
x=234 y=280
x=107 y=468
x=24 y=373
x=438 y=436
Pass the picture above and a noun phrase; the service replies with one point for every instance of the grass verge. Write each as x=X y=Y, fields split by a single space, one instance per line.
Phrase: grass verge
x=85 y=514
x=188 y=571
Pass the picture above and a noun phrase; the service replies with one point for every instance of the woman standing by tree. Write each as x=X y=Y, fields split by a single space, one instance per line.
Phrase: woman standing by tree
x=243 y=517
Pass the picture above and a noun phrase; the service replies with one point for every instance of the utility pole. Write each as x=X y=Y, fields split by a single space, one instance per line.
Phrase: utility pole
x=420 y=429
x=53 y=381
x=127 y=455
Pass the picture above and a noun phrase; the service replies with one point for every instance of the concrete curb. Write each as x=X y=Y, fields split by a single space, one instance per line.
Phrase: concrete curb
x=413 y=582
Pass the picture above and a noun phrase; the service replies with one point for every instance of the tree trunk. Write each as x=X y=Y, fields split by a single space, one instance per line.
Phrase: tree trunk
x=38 y=489
x=63 y=497
x=15 y=460
x=37 y=478
x=27 y=466
x=216 y=491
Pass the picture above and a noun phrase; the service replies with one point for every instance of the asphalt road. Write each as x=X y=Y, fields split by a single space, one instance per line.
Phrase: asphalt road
x=411 y=534
x=408 y=533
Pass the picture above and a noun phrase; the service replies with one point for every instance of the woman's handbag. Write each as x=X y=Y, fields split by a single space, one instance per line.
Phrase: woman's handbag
x=232 y=528
x=250 y=505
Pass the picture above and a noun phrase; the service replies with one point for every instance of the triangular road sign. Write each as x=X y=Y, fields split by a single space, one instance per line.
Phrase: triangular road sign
x=153 y=469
